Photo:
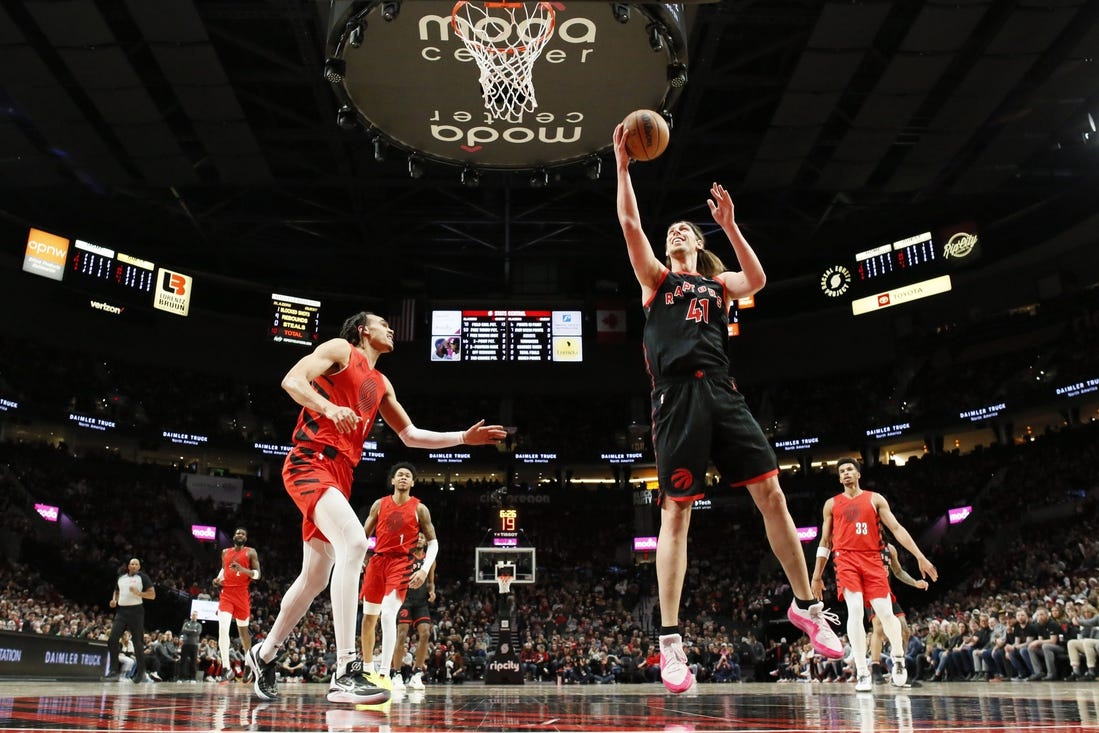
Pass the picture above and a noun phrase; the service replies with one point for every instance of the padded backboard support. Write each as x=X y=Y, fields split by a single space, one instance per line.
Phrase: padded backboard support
x=412 y=82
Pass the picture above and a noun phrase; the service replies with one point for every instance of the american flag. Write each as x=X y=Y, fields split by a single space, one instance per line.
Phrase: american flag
x=404 y=320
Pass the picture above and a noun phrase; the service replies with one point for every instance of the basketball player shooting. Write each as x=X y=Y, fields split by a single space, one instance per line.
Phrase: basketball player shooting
x=698 y=414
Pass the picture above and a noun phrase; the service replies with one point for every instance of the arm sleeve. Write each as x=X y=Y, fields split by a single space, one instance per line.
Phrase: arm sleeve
x=414 y=437
x=430 y=555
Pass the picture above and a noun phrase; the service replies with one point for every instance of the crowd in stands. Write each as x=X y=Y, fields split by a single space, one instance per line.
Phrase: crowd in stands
x=1025 y=551
x=589 y=619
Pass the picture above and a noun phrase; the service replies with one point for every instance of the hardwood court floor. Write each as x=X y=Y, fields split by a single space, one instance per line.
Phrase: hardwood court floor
x=767 y=708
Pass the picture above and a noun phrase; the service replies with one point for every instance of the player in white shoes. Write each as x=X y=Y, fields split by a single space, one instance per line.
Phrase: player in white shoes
x=851 y=530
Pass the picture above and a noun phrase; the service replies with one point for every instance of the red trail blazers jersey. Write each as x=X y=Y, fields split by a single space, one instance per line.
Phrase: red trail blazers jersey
x=232 y=578
x=855 y=526
x=397 y=527
x=358 y=386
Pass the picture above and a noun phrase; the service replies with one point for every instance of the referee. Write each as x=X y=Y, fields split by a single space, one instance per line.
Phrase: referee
x=131 y=590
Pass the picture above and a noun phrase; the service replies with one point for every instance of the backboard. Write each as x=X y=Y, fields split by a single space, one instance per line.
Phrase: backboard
x=412 y=83
x=486 y=560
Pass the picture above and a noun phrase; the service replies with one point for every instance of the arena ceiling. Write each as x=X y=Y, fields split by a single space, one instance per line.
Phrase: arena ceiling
x=202 y=134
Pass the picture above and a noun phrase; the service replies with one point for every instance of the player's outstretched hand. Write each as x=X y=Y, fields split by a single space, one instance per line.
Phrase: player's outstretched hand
x=721 y=206
x=481 y=434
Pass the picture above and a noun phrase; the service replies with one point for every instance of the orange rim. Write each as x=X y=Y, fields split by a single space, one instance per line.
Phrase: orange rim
x=550 y=14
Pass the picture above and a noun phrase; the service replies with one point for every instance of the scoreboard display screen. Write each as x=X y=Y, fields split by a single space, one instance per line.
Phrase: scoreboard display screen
x=488 y=335
x=889 y=258
x=110 y=274
x=295 y=320
x=919 y=258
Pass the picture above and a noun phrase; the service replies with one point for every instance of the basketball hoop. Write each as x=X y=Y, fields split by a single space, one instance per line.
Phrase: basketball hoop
x=503 y=582
x=505 y=39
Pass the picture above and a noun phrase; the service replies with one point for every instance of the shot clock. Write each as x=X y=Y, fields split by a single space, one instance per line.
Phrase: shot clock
x=506 y=531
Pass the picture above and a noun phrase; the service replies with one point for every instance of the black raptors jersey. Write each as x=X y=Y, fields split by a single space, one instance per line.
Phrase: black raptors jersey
x=416 y=596
x=686 y=326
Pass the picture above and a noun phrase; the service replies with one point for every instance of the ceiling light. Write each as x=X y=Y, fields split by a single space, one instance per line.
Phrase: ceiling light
x=334 y=70
x=593 y=167
x=656 y=36
x=677 y=74
x=346 y=119
x=390 y=10
x=355 y=34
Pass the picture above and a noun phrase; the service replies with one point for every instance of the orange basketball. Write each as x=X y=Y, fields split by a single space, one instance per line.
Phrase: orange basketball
x=648 y=136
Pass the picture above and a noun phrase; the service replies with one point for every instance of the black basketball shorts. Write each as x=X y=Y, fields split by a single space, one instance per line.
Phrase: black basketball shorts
x=415 y=614
x=701 y=418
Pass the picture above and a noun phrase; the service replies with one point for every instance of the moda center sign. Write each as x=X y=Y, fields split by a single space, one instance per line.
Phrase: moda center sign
x=413 y=81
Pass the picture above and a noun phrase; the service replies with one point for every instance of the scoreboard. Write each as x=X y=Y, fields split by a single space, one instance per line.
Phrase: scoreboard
x=907 y=269
x=495 y=335
x=108 y=273
x=114 y=280
x=295 y=320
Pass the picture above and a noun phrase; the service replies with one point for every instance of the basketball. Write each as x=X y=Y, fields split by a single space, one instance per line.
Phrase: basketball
x=648 y=136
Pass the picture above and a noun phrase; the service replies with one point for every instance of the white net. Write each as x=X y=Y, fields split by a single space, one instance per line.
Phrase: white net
x=503 y=583
x=505 y=39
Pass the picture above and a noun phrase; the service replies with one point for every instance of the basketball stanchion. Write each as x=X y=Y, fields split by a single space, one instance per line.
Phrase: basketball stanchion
x=505 y=669
x=505 y=39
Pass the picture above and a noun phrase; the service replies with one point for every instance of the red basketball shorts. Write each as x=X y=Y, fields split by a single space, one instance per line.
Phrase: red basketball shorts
x=307 y=473
x=383 y=574
x=861 y=572
x=237 y=601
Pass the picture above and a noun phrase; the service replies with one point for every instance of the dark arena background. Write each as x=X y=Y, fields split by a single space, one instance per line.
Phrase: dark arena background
x=195 y=193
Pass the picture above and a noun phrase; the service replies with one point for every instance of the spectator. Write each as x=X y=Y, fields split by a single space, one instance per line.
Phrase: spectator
x=189 y=637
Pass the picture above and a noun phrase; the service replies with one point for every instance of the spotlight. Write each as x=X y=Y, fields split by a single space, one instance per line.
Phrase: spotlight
x=390 y=10
x=346 y=119
x=668 y=118
x=334 y=70
x=656 y=36
x=539 y=179
x=621 y=12
x=471 y=177
x=355 y=34
x=415 y=167
x=593 y=167
x=677 y=74
x=1091 y=122
x=379 y=149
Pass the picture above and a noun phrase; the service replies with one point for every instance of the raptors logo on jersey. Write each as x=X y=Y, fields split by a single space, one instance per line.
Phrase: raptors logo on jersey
x=682 y=478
